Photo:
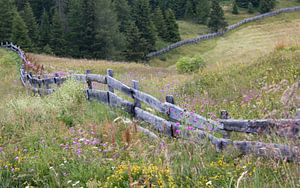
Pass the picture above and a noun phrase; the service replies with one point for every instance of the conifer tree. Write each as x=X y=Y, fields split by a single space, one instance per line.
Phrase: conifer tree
x=74 y=35
x=57 y=40
x=235 y=9
x=6 y=17
x=89 y=27
x=44 y=30
x=216 y=17
x=189 y=10
x=172 y=27
x=142 y=17
x=250 y=8
x=20 y=32
x=31 y=24
x=122 y=10
x=109 y=42
x=160 y=24
x=266 y=5
x=202 y=11
x=136 y=44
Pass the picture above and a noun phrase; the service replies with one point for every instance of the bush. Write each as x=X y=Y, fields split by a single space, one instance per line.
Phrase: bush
x=189 y=65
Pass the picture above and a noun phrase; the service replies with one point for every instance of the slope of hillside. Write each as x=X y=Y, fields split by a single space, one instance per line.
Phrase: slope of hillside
x=239 y=46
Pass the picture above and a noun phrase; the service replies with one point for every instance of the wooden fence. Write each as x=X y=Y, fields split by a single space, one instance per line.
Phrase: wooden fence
x=220 y=33
x=203 y=128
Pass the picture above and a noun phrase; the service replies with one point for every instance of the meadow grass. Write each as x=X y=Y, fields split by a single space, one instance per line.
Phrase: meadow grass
x=242 y=45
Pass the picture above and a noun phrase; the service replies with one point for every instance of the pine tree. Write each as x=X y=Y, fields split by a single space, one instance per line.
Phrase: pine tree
x=89 y=27
x=235 y=9
x=172 y=27
x=6 y=17
x=202 y=11
x=74 y=35
x=142 y=17
x=57 y=40
x=136 y=44
x=44 y=30
x=160 y=24
x=250 y=8
x=266 y=6
x=122 y=10
x=109 y=42
x=20 y=32
x=31 y=24
x=189 y=10
x=217 y=19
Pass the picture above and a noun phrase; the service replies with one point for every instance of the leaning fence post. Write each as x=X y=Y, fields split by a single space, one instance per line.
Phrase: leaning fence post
x=224 y=115
x=110 y=74
x=89 y=83
x=137 y=103
x=39 y=86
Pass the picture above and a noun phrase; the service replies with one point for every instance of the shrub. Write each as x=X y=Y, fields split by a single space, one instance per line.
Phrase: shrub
x=189 y=65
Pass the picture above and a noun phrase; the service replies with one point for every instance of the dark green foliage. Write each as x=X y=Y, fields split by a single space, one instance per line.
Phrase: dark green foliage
x=57 y=40
x=142 y=18
x=45 y=30
x=109 y=42
x=250 y=8
x=202 y=11
x=74 y=35
x=235 y=9
x=216 y=17
x=6 y=17
x=136 y=44
x=172 y=27
x=245 y=3
x=31 y=24
x=122 y=10
x=189 y=10
x=160 y=23
x=266 y=5
x=20 y=32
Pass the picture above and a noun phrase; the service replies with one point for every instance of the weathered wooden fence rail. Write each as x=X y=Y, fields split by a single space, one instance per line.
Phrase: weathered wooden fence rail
x=202 y=127
x=220 y=33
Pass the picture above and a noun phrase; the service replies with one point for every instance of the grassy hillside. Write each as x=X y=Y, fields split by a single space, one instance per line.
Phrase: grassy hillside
x=63 y=141
x=242 y=45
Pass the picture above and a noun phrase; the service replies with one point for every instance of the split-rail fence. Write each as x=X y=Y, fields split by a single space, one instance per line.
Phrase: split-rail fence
x=203 y=128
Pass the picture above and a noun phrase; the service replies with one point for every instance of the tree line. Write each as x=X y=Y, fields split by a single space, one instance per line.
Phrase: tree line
x=104 y=29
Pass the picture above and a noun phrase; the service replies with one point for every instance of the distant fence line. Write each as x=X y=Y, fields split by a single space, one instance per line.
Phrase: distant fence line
x=220 y=33
x=203 y=127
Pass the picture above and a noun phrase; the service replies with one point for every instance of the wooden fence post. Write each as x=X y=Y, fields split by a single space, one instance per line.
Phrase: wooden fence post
x=224 y=115
x=170 y=99
x=89 y=83
x=298 y=113
x=57 y=80
x=111 y=74
x=39 y=86
x=137 y=103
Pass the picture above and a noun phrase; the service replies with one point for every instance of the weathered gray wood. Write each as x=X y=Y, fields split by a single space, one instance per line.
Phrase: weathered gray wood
x=137 y=102
x=148 y=99
x=57 y=79
x=147 y=132
x=189 y=118
x=116 y=84
x=96 y=78
x=225 y=115
x=283 y=127
x=298 y=113
x=97 y=95
x=48 y=81
x=110 y=73
x=159 y=123
x=79 y=77
x=116 y=101
x=89 y=82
